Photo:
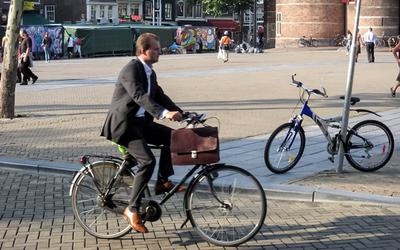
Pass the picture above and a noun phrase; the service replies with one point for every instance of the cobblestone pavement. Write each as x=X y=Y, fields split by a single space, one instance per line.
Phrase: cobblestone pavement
x=35 y=213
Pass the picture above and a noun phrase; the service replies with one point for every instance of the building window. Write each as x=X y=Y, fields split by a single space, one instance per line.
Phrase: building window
x=122 y=10
x=168 y=11
x=197 y=10
x=260 y=14
x=93 y=12
x=135 y=9
x=189 y=10
x=110 y=12
x=247 y=16
x=50 y=12
x=102 y=11
x=180 y=9
x=148 y=9
x=278 y=23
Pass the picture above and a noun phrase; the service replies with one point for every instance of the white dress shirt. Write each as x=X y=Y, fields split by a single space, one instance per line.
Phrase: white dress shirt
x=149 y=71
x=369 y=37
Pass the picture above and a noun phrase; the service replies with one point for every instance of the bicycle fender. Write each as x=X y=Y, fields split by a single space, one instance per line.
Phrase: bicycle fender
x=76 y=177
x=365 y=111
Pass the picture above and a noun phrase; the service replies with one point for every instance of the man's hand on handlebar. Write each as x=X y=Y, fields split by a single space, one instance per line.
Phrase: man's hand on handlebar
x=174 y=115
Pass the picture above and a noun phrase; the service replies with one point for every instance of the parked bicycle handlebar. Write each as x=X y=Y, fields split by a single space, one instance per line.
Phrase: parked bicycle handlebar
x=299 y=84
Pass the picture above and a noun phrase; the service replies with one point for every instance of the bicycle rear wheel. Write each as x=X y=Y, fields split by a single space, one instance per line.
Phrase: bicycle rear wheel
x=226 y=205
x=282 y=151
x=102 y=216
x=369 y=145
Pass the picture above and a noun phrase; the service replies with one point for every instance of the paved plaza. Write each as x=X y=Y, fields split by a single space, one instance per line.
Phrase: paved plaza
x=59 y=119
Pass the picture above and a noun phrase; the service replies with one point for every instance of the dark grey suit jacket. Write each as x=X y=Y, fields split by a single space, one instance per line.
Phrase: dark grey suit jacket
x=130 y=94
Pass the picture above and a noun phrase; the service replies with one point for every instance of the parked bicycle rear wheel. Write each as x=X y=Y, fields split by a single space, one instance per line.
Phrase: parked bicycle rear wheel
x=369 y=145
x=282 y=152
x=226 y=205
x=102 y=216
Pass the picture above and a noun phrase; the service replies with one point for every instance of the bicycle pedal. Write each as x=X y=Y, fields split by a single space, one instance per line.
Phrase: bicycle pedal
x=331 y=159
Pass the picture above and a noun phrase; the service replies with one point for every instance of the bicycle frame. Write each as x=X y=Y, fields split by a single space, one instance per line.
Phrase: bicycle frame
x=122 y=166
x=323 y=124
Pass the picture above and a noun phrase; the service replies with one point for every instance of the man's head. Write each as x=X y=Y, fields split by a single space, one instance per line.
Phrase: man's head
x=23 y=33
x=370 y=29
x=148 y=48
x=46 y=33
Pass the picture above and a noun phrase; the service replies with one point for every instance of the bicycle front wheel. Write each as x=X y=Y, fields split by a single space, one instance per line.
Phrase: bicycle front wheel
x=301 y=43
x=284 y=148
x=369 y=145
x=226 y=205
x=98 y=215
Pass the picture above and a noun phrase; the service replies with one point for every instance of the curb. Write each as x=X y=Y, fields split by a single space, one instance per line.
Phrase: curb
x=39 y=166
x=276 y=192
x=312 y=194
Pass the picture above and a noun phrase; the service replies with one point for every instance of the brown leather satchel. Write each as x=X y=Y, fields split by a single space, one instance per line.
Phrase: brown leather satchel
x=191 y=146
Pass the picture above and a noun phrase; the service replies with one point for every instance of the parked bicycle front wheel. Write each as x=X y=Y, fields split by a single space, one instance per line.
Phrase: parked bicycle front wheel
x=284 y=148
x=369 y=145
x=226 y=205
x=102 y=216
x=301 y=43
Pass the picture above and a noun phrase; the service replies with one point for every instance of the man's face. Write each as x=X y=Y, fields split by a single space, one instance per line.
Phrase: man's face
x=151 y=55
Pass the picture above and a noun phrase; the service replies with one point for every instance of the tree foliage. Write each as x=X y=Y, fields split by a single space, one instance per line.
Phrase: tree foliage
x=218 y=7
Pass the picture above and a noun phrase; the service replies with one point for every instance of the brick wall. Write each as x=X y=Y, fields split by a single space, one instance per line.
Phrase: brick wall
x=381 y=15
x=321 y=19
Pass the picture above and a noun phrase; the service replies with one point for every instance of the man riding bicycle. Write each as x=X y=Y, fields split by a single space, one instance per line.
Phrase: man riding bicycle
x=136 y=101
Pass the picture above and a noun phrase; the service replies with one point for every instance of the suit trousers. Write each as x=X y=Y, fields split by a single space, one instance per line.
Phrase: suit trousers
x=150 y=133
x=370 y=51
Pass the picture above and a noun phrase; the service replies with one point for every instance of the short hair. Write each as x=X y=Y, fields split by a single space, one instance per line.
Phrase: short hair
x=145 y=42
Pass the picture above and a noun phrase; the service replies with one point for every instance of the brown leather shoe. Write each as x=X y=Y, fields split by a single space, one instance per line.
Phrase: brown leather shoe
x=135 y=221
x=166 y=186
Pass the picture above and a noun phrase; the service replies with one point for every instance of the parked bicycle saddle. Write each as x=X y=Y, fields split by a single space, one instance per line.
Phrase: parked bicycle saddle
x=353 y=100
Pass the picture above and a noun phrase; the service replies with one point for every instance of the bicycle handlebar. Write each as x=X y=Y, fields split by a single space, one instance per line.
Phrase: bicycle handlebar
x=192 y=118
x=299 y=84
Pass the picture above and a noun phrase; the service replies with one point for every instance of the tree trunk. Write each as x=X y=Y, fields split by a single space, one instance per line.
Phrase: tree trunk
x=10 y=61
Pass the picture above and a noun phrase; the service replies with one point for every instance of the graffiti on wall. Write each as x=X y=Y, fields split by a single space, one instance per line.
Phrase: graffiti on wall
x=36 y=33
x=188 y=37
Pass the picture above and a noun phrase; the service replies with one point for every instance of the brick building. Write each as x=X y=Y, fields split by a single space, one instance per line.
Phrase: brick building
x=288 y=20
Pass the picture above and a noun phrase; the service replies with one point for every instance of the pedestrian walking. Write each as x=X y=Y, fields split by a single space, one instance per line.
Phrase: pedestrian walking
x=78 y=43
x=349 y=37
x=225 y=46
x=370 y=41
x=70 y=46
x=358 y=44
x=26 y=58
x=136 y=101
x=46 y=45
x=200 y=43
x=396 y=53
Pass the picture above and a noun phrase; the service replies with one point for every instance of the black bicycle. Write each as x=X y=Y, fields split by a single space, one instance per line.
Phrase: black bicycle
x=225 y=204
x=306 y=42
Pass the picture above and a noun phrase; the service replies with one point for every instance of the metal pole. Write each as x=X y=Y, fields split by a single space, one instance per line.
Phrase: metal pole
x=350 y=76
x=154 y=13
x=255 y=25
x=160 y=13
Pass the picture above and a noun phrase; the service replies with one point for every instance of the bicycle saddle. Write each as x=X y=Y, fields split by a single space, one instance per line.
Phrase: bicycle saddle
x=353 y=100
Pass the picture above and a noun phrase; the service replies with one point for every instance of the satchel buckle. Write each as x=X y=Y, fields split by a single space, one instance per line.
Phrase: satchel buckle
x=194 y=154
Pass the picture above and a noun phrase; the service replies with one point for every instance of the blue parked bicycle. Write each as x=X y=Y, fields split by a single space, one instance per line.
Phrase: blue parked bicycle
x=368 y=145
